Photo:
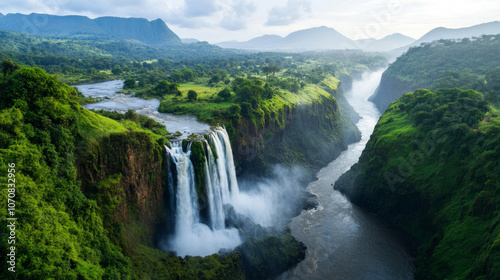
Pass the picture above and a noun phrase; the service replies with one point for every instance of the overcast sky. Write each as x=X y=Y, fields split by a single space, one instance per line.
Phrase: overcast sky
x=223 y=20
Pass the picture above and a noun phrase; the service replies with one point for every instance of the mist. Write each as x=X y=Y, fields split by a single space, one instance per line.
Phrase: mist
x=271 y=201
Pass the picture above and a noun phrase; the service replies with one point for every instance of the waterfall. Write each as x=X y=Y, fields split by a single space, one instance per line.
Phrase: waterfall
x=187 y=205
x=225 y=164
x=214 y=190
x=191 y=236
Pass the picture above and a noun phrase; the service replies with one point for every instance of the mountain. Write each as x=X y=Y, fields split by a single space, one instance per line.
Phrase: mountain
x=189 y=40
x=317 y=38
x=467 y=32
x=1 y=15
x=388 y=43
x=489 y=28
x=154 y=32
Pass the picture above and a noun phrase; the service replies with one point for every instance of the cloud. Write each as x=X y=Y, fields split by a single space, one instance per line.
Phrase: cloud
x=184 y=22
x=238 y=15
x=284 y=15
x=199 y=8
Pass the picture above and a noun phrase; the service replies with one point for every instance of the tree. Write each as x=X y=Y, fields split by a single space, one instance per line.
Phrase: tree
x=9 y=66
x=116 y=70
x=493 y=79
x=225 y=94
x=274 y=69
x=129 y=83
x=131 y=115
x=267 y=71
x=192 y=95
x=246 y=109
x=164 y=87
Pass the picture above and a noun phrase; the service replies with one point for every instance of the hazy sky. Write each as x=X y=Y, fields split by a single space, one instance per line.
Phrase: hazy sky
x=223 y=20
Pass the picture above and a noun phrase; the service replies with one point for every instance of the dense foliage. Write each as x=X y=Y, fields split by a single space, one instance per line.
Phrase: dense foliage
x=270 y=256
x=466 y=64
x=60 y=231
x=68 y=228
x=431 y=168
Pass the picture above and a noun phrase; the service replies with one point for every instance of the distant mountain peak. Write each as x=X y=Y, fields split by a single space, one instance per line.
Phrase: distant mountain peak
x=154 y=32
x=459 y=33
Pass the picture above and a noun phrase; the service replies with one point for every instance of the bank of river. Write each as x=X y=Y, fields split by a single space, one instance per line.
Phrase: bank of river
x=343 y=241
x=113 y=101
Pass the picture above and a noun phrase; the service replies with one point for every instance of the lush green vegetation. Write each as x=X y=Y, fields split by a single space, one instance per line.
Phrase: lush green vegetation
x=60 y=231
x=78 y=217
x=431 y=168
x=78 y=169
x=466 y=64
x=270 y=256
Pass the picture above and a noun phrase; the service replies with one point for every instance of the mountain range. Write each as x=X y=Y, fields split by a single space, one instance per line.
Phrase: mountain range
x=157 y=33
x=318 y=38
x=314 y=38
x=489 y=28
x=154 y=32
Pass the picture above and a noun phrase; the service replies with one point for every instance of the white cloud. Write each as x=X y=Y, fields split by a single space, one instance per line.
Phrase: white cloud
x=238 y=14
x=291 y=12
x=218 y=20
x=199 y=8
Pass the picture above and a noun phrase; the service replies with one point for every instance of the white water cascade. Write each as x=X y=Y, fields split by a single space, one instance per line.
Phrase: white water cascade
x=191 y=236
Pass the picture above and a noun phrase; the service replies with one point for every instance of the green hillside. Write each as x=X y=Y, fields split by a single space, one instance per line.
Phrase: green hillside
x=466 y=64
x=431 y=168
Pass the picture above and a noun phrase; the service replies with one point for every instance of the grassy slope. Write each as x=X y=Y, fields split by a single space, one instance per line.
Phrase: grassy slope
x=206 y=104
x=431 y=168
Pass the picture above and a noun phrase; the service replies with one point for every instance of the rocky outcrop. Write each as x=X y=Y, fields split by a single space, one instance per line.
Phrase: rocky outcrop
x=390 y=89
x=123 y=172
x=310 y=135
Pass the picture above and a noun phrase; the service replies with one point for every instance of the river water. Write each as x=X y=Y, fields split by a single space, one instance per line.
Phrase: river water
x=343 y=241
x=114 y=101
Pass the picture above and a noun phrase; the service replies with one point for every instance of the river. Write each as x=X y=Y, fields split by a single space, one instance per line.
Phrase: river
x=113 y=101
x=343 y=241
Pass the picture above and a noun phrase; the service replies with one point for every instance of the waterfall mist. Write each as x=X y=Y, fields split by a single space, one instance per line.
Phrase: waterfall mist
x=271 y=201
x=265 y=202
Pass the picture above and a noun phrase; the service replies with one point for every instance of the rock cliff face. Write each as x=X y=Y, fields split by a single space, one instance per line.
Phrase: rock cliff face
x=124 y=172
x=310 y=135
x=390 y=89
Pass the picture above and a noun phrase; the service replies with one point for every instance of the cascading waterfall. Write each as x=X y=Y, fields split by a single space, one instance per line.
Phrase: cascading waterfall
x=187 y=206
x=214 y=192
x=191 y=236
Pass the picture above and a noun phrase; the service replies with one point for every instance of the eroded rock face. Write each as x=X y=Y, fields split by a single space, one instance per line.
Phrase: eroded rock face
x=309 y=135
x=125 y=170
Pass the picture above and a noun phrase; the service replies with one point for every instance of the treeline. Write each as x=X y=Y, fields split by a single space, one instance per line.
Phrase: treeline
x=466 y=64
x=78 y=61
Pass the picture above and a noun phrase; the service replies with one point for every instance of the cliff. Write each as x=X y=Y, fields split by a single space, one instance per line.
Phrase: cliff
x=431 y=169
x=391 y=88
x=123 y=173
x=465 y=64
x=307 y=132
